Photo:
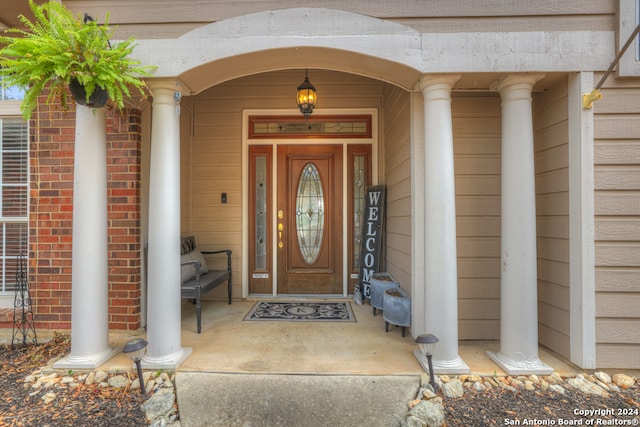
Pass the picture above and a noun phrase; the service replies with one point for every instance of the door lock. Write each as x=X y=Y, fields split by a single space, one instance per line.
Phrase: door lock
x=280 y=228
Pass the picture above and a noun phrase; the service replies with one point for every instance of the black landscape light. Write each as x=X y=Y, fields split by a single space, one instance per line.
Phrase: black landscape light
x=427 y=344
x=135 y=349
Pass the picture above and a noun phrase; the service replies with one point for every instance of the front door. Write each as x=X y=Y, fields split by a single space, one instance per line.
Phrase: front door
x=309 y=219
x=306 y=185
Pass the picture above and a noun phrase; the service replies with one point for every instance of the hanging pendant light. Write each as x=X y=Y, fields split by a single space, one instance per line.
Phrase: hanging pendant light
x=307 y=96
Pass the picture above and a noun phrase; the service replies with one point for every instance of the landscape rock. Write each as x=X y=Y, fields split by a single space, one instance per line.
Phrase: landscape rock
x=412 y=421
x=478 y=386
x=623 y=381
x=544 y=386
x=119 y=381
x=100 y=376
x=470 y=378
x=586 y=386
x=160 y=404
x=554 y=378
x=67 y=380
x=603 y=385
x=508 y=387
x=517 y=383
x=491 y=381
x=603 y=377
x=49 y=397
x=557 y=388
x=428 y=393
x=91 y=378
x=414 y=403
x=430 y=412
x=453 y=389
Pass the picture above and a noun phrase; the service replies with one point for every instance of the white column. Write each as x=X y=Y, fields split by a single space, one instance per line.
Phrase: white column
x=89 y=275
x=518 y=353
x=163 y=281
x=440 y=255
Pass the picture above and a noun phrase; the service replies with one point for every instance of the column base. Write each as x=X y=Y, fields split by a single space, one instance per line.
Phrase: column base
x=86 y=362
x=448 y=367
x=530 y=366
x=168 y=362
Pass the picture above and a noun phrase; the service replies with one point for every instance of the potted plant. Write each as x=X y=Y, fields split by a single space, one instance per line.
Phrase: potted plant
x=59 y=50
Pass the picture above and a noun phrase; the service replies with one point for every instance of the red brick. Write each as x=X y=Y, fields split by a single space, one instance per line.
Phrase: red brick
x=50 y=221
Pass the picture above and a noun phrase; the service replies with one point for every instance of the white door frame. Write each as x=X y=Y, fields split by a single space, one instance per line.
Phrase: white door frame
x=290 y=141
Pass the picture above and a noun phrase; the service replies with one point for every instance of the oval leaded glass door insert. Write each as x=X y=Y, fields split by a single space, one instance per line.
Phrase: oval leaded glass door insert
x=310 y=213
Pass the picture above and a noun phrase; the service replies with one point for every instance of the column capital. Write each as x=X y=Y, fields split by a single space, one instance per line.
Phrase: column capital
x=166 y=87
x=527 y=79
x=428 y=81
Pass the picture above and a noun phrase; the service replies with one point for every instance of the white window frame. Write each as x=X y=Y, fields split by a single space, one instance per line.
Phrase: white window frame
x=10 y=109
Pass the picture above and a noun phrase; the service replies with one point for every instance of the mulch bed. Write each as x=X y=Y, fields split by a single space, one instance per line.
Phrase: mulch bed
x=83 y=405
x=501 y=407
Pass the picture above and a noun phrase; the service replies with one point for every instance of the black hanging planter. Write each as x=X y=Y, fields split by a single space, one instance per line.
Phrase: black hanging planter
x=98 y=98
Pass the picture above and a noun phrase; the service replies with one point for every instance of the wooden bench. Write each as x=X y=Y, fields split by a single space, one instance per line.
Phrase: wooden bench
x=196 y=278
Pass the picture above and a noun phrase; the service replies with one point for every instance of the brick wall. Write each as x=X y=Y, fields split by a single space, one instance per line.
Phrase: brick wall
x=52 y=133
x=124 y=186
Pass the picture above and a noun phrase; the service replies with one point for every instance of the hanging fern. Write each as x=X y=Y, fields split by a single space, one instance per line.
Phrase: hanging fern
x=58 y=47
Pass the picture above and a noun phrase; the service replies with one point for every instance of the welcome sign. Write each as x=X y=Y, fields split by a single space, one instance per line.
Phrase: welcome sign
x=372 y=233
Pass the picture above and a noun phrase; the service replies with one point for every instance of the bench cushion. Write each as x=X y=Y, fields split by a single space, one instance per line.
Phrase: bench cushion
x=188 y=271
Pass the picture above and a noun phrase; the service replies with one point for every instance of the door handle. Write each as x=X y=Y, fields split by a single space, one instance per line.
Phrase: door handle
x=280 y=228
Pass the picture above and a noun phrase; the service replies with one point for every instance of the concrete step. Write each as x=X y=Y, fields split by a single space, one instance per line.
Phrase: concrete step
x=256 y=400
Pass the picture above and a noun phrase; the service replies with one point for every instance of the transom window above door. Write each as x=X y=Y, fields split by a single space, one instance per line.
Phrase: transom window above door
x=327 y=126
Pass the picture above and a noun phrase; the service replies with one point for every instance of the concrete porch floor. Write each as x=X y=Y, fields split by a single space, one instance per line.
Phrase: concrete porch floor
x=228 y=344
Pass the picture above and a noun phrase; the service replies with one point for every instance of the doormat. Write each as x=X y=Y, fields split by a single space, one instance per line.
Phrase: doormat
x=301 y=311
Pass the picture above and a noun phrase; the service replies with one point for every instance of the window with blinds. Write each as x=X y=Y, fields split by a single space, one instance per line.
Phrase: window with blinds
x=14 y=133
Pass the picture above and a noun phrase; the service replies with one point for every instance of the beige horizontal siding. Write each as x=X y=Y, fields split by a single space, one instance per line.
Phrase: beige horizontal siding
x=617 y=224
x=552 y=206
x=617 y=152
x=615 y=356
x=395 y=171
x=185 y=169
x=616 y=331
x=170 y=18
x=616 y=279
x=613 y=228
x=618 y=304
x=123 y=11
x=476 y=136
